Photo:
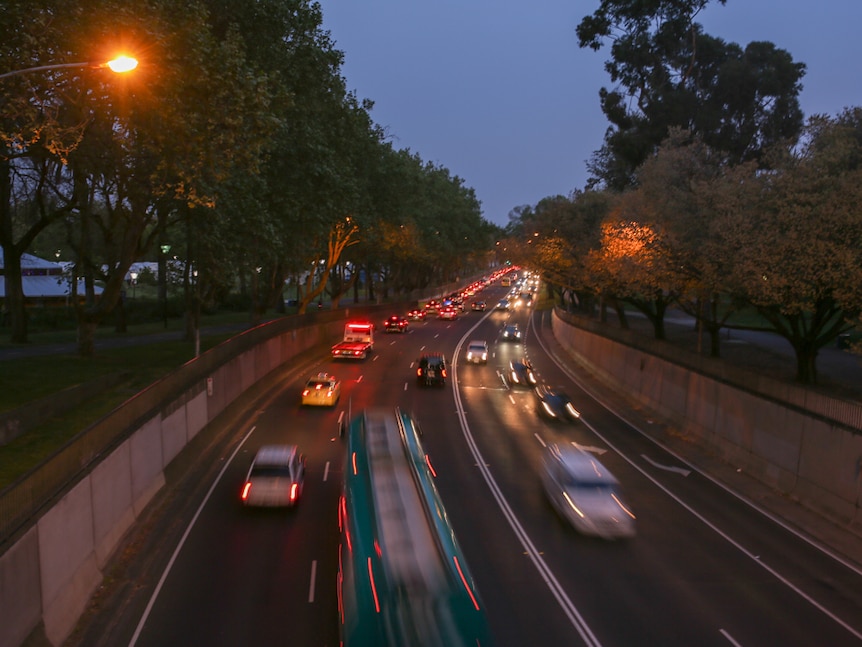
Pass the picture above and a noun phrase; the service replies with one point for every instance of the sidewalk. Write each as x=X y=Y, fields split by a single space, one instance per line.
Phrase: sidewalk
x=70 y=348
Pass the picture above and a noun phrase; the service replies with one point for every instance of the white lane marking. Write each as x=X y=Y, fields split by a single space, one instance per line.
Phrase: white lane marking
x=511 y=398
x=503 y=379
x=405 y=386
x=542 y=442
x=590 y=448
x=180 y=545
x=535 y=556
x=729 y=638
x=667 y=468
x=326 y=472
x=312 y=581
x=774 y=518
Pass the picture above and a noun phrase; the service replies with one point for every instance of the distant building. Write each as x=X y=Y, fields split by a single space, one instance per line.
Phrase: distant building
x=42 y=281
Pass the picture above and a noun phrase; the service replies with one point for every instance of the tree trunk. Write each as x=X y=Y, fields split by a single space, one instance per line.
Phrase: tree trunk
x=17 y=310
x=86 y=336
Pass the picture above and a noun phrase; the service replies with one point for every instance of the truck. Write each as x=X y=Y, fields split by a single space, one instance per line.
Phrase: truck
x=358 y=341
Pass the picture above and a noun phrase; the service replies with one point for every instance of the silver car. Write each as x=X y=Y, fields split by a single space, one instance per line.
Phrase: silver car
x=275 y=478
x=585 y=493
x=477 y=351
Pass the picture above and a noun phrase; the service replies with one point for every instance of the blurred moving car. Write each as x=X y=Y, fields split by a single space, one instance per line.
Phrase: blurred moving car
x=478 y=306
x=585 y=493
x=396 y=323
x=502 y=304
x=555 y=405
x=477 y=351
x=322 y=390
x=511 y=333
x=275 y=478
x=521 y=373
x=449 y=312
x=416 y=315
x=431 y=370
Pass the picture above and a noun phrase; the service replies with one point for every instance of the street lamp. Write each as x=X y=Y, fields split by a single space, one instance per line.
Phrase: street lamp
x=163 y=280
x=119 y=65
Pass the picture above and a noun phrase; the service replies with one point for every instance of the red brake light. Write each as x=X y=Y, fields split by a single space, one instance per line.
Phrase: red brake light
x=443 y=372
x=419 y=372
x=294 y=492
x=245 y=490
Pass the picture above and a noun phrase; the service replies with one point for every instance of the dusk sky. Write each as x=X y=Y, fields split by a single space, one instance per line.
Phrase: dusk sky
x=498 y=91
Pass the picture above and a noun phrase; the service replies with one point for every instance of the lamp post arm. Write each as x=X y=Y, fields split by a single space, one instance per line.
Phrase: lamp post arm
x=120 y=64
x=45 y=68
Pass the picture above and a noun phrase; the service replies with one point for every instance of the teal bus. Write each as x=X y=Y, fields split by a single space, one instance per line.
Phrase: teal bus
x=402 y=578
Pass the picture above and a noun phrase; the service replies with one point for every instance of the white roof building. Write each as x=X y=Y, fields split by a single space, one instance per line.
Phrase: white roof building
x=41 y=279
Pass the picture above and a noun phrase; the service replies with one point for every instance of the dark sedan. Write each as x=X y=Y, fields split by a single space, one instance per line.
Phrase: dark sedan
x=521 y=373
x=555 y=405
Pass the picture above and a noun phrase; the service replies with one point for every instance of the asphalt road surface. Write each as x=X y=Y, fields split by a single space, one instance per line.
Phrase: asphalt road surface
x=706 y=567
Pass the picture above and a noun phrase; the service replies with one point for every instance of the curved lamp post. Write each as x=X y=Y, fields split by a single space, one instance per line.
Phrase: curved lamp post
x=119 y=65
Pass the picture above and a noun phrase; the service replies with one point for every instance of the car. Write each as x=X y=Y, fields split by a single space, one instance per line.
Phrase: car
x=322 y=390
x=585 y=493
x=431 y=370
x=502 y=304
x=275 y=478
x=432 y=306
x=511 y=333
x=478 y=306
x=555 y=404
x=477 y=352
x=416 y=315
x=523 y=299
x=396 y=323
x=449 y=313
x=521 y=373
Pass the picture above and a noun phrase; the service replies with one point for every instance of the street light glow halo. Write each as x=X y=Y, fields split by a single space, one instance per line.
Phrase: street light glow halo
x=122 y=64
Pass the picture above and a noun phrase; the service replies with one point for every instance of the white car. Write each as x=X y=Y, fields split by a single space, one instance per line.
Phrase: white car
x=477 y=352
x=275 y=478
x=585 y=493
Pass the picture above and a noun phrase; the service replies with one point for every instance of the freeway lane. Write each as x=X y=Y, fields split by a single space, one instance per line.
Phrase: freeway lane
x=718 y=577
x=704 y=569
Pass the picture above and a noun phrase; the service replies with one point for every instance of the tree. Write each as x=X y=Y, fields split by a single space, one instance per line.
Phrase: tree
x=799 y=251
x=670 y=74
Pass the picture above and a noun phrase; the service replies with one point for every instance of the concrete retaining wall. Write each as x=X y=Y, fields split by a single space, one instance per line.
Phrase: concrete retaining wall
x=806 y=455
x=51 y=571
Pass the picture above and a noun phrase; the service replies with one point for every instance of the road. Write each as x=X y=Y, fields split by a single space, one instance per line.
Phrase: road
x=706 y=568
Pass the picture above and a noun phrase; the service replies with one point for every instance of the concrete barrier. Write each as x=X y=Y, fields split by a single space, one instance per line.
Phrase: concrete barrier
x=804 y=454
x=50 y=572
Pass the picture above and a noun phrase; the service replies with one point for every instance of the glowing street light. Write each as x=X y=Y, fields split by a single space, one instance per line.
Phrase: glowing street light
x=119 y=65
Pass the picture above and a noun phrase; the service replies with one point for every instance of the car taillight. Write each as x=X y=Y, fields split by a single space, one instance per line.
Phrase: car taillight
x=294 y=491
x=245 y=490
x=305 y=393
x=443 y=372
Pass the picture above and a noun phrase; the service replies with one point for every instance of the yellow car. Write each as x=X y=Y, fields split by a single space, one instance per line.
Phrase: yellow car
x=322 y=390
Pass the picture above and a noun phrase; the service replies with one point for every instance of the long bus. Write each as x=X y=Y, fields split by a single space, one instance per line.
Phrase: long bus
x=402 y=578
